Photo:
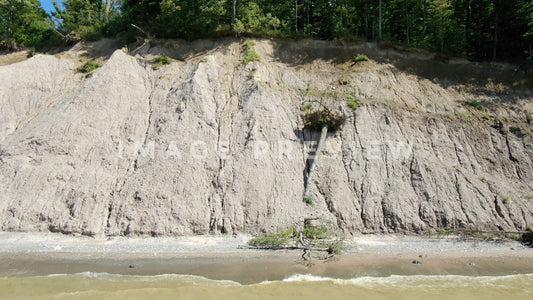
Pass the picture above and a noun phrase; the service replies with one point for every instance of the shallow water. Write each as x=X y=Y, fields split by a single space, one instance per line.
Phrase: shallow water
x=108 y=286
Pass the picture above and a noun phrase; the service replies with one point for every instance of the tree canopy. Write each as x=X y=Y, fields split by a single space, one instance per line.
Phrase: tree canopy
x=23 y=22
x=477 y=29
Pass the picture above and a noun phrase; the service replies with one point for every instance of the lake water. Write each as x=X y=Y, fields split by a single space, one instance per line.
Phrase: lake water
x=91 y=285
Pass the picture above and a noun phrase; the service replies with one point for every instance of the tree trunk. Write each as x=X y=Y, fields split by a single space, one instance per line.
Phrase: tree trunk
x=441 y=34
x=10 y=20
x=234 y=12
x=107 y=9
x=319 y=147
x=373 y=28
x=495 y=46
x=407 y=23
x=408 y=27
x=296 y=15
x=468 y=37
x=367 y=34
x=424 y=28
x=380 y=36
x=308 y=15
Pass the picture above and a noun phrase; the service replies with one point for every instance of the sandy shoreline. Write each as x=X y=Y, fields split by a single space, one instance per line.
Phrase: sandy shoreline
x=218 y=257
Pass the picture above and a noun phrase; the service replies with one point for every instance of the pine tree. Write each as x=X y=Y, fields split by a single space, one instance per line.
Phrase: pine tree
x=23 y=23
x=85 y=17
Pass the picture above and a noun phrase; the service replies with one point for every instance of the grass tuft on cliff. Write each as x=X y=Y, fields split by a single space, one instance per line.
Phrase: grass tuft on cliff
x=250 y=54
x=88 y=67
x=159 y=61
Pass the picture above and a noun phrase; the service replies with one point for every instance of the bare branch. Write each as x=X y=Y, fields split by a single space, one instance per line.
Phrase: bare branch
x=149 y=36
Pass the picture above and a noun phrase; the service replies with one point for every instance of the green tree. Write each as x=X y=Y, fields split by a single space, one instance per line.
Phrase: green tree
x=441 y=12
x=527 y=12
x=480 y=29
x=214 y=13
x=24 y=23
x=85 y=17
x=251 y=19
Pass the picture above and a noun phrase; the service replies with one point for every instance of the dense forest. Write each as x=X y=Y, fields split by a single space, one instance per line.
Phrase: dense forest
x=477 y=29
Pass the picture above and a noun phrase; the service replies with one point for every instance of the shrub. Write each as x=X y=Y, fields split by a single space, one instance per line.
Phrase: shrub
x=307 y=106
x=31 y=53
x=160 y=60
x=250 y=56
x=308 y=200
x=249 y=44
x=486 y=117
x=88 y=67
x=356 y=103
x=353 y=101
x=274 y=240
x=249 y=52
x=360 y=57
x=9 y=45
x=90 y=33
x=506 y=199
x=325 y=237
x=345 y=79
x=316 y=232
x=336 y=247
x=474 y=104
x=527 y=238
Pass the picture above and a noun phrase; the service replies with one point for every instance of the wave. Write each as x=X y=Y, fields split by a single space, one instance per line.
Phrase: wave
x=393 y=281
x=94 y=285
x=412 y=280
x=179 y=277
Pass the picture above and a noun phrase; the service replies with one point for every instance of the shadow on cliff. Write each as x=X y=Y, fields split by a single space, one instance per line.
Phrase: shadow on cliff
x=507 y=81
x=101 y=49
x=183 y=49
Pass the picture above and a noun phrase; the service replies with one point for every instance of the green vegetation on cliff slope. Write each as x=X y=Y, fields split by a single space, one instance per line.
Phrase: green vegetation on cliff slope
x=481 y=29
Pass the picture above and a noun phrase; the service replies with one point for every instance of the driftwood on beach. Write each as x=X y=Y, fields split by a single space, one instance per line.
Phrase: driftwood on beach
x=285 y=248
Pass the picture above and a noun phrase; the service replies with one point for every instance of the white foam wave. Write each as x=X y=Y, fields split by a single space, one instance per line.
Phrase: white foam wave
x=393 y=281
x=193 y=279
x=411 y=280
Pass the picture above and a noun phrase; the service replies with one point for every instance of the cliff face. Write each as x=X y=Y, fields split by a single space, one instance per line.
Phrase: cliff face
x=208 y=144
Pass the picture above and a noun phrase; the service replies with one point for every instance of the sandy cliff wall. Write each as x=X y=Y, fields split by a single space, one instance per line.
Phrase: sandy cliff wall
x=211 y=145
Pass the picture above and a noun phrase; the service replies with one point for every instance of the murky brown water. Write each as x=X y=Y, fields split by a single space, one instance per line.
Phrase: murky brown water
x=108 y=286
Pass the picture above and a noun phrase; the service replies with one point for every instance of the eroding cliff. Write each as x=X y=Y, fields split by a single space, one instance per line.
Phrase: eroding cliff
x=209 y=144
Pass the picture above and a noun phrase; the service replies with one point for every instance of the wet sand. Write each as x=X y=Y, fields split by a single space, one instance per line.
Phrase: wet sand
x=267 y=267
x=219 y=257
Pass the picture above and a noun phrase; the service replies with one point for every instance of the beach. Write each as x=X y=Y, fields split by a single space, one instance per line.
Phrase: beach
x=217 y=261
